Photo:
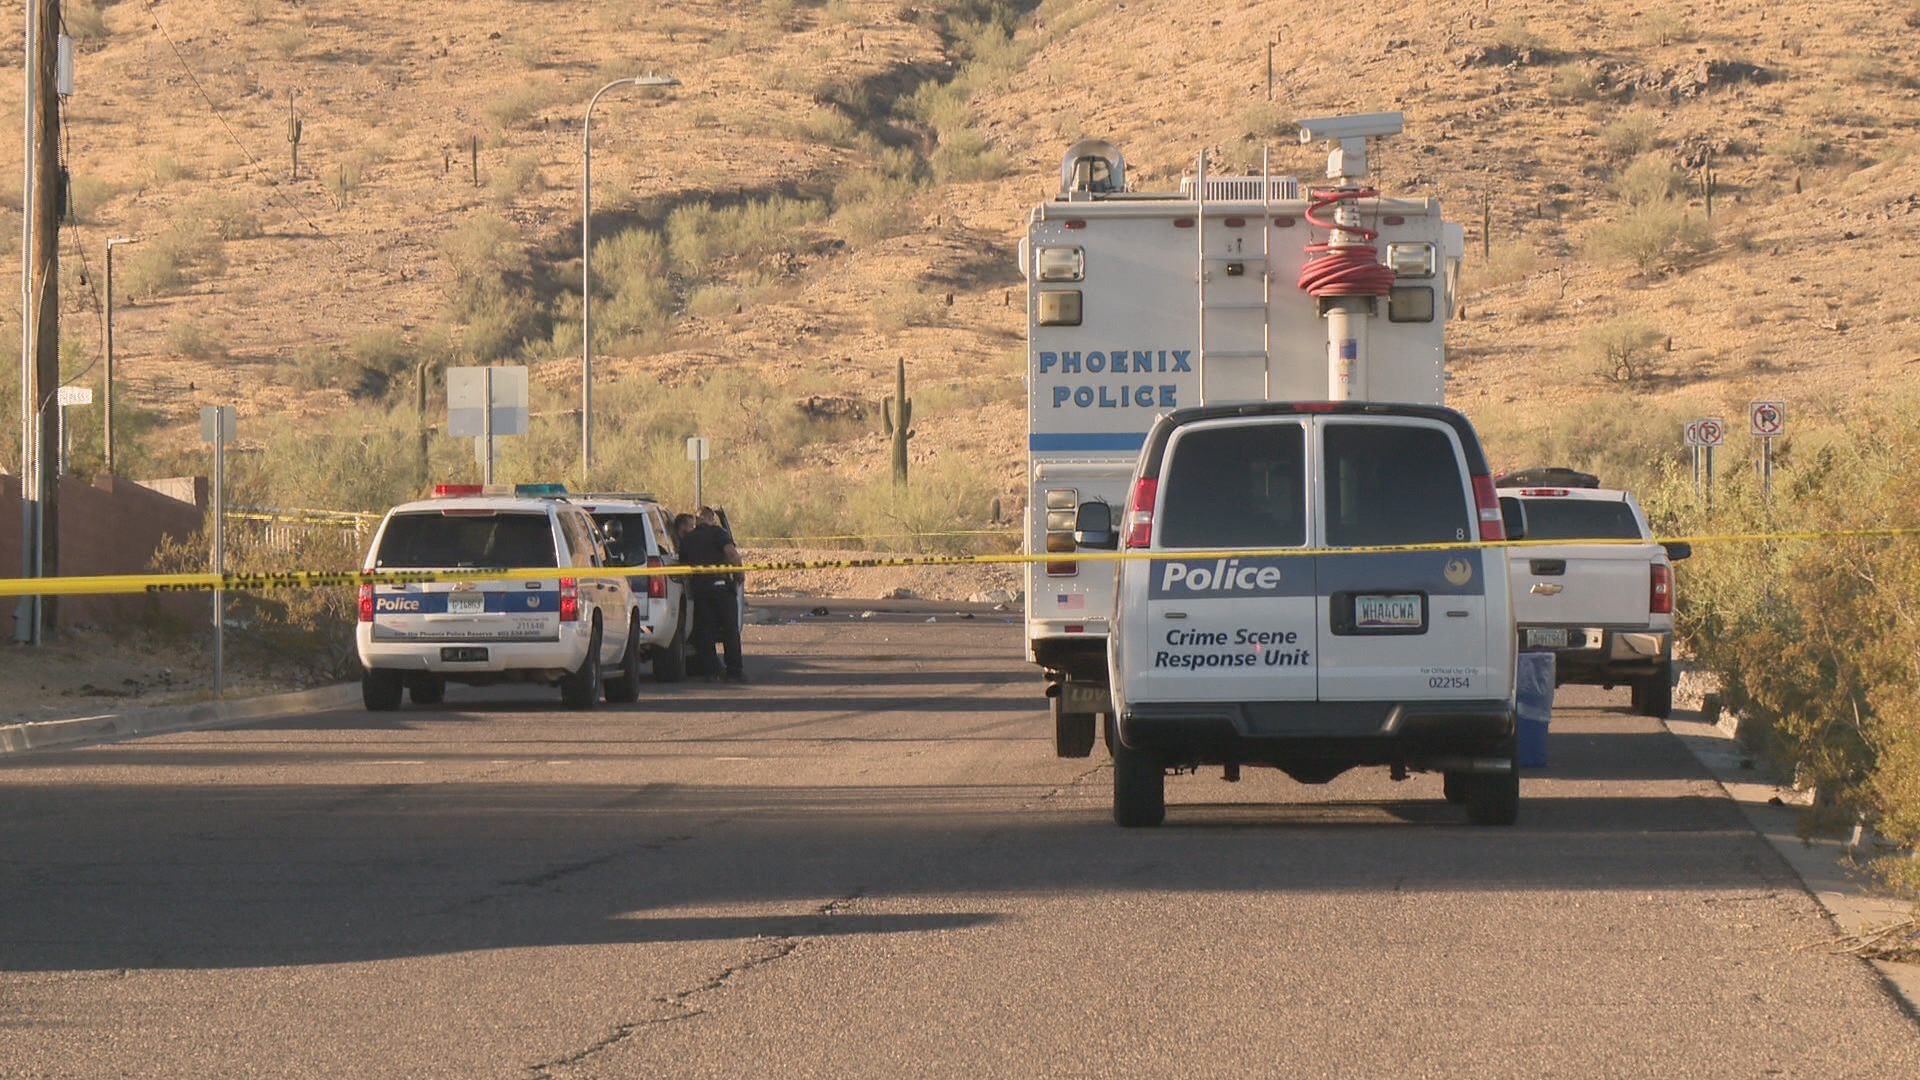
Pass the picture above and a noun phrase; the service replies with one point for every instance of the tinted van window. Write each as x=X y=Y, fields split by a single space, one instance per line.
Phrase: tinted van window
x=1241 y=486
x=631 y=543
x=1580 y=519
x=434 y=539
x=1393 y=484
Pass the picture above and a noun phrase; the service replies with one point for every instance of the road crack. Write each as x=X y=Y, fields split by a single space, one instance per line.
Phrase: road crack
x=685 y=1003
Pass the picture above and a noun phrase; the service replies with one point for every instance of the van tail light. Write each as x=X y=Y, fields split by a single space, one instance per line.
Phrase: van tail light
x=366 y=603
x=1140 y=513
x=1487 y=501
x=1660 y=595
x=656 y=583
x=569 y=599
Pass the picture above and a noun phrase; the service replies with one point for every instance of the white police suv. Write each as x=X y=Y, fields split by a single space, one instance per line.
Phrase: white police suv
x=640 y=531
x=1323 y=655
x=575 y=627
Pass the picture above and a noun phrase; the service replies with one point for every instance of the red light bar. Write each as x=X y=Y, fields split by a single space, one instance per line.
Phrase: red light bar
x=441 y=491
x=1543 y=491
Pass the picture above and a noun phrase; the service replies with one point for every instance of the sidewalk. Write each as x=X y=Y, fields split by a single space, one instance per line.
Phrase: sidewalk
x=132 y=723
x=1841 y=886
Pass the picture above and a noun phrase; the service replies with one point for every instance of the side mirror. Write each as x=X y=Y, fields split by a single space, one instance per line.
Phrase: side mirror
x=1677 y=550
x=1093 y=527
x=1513 y=515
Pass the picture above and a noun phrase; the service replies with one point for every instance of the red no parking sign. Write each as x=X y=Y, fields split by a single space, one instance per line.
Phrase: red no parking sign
x=1767 y=419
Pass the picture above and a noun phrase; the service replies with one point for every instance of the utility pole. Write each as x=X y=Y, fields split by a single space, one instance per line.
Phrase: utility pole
x=41 y=354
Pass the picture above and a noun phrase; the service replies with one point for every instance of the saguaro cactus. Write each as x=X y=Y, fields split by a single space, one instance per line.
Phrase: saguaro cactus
x=896 y=413
x=293 y=135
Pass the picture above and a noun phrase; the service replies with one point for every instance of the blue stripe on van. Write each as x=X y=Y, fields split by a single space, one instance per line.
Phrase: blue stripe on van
x=1088 y=440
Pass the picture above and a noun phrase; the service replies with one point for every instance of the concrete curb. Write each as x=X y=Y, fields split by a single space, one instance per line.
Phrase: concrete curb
x=133 y=723
x=1824 y=865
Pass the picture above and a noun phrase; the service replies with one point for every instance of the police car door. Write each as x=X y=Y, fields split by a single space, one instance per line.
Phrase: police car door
x=1399 y=625
x=1223 y=624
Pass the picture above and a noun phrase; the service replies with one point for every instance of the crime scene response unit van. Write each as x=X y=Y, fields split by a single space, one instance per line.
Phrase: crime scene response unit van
x=1311 y=597
x=576 y=627
x=1230 y=289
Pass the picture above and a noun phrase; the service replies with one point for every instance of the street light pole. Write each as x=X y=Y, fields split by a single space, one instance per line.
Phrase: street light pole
x=106 y=412
x=586 y=263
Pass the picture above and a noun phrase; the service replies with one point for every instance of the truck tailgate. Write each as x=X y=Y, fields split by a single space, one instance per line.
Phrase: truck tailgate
x=1581 y=584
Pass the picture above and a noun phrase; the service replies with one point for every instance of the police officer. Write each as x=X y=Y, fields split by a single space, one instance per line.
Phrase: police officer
x=716 y=602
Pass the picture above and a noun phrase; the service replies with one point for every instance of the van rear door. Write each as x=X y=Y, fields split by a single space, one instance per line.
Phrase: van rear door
x=1223 y=625
x=1401 y=625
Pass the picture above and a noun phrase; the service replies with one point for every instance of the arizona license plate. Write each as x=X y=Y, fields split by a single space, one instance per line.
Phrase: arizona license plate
x=1387 y=610
x=1547 y=639
x=466 y=604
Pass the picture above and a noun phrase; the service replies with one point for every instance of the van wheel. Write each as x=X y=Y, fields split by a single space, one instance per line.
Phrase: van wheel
x=670 y=660
x=1139 y=788
x=427 y=690
x=1653 y=695
x=580 y=689
x=380 y=690
x=1454 y=784
x=1073 y=733
x=1494 y=798
x=624 y=687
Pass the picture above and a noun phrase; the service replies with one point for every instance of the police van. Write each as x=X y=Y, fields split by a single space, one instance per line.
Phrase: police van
x=575 y=628
x=1227 y=289
x=1308 y=593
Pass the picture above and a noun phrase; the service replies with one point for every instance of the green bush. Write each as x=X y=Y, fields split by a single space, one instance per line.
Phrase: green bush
x=1620 y=350
x=184 y=252
x=1650 y=235
x=702 y=236
x=964 y=157
x=1630 y=136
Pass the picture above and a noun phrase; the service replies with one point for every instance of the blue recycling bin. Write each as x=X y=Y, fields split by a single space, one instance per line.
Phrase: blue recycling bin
x=1533 y=702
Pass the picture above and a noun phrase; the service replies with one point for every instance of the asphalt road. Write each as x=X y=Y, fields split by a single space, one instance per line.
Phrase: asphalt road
x=869 y=864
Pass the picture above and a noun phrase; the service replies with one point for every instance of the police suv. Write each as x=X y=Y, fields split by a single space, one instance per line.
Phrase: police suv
x=640 y=531
x=575 y=628
x=1260 y=629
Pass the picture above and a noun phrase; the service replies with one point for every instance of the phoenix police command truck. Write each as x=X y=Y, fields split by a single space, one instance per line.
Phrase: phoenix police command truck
x=1230 y=289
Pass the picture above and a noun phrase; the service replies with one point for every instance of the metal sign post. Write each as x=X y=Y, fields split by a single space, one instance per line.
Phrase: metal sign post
x=217 y=426
x=697 y=453
x=1767 y=421
x=1703 y=435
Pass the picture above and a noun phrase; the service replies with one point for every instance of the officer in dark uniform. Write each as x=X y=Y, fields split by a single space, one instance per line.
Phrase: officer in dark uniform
x=716 y=601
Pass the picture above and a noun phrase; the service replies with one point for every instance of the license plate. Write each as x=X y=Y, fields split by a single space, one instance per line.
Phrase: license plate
x=1387 y=611
x=463 y=654
x=466 y=604
x=1547 y=639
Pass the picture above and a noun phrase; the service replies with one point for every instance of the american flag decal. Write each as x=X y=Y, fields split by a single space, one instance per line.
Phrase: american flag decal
x=1070 y=602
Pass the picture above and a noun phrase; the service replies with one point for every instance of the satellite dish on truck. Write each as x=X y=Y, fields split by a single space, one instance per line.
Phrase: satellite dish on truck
x=1092 y=166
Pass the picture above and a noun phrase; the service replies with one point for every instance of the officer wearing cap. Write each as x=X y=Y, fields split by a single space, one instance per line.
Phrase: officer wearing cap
x=716 y=601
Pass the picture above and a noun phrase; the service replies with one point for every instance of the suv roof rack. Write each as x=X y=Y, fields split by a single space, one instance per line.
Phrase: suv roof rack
x=637 y=496
x=1547 y=476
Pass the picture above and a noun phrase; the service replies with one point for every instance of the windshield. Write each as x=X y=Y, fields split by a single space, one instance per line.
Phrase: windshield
x=455 y=539
x=1581 y=519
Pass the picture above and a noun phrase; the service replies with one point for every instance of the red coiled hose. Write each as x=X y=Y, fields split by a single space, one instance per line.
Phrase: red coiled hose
x=1343 y=269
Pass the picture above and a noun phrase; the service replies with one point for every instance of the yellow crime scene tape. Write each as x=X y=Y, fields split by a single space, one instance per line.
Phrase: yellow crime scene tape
x=110 y=584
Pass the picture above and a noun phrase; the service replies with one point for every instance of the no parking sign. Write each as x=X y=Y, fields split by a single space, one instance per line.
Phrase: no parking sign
x=1767 y=419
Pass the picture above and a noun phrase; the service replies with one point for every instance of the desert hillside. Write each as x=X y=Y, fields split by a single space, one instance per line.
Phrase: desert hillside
x=1670 y=210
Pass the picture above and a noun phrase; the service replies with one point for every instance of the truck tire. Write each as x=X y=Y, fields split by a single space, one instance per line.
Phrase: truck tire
x=624 y=687
x=1494 y=798
x=1454 y=786
x=1139 y=788
x=670 y=660
x=580 y=688
x=1073 y=733
x=427 y=690
x=380 y=690
x=1653 y=695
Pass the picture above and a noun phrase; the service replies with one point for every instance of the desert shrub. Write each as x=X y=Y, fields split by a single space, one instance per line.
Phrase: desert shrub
x=699 y=237
x=486 y=266
x=1515 y=35
x=519 y=103
x=1620 y=350
x=86 y=195
x=714 y=301
x=1631 y=135
x=871 y=206
x=1658 y=28
x=1649 y=235
x=289 y=40
x=163 y=168
x=964 y=157
x=82 y=20
x=829 y=126
x=184 y=252
x=229 y=217
x=195 y=340
x=1799 y=147
x=1508 y=262
x=1573 y=81
x=1650 y=178
x=632 y=289
x=520 y=174
x=1635 y=449
x=907 y=306
x=943 y=502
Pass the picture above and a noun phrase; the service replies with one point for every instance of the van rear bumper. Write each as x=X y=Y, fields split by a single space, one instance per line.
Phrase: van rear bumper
x=1450 y=735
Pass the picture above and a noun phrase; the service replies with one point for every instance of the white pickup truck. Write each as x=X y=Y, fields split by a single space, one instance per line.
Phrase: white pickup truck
x=1602 y=601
